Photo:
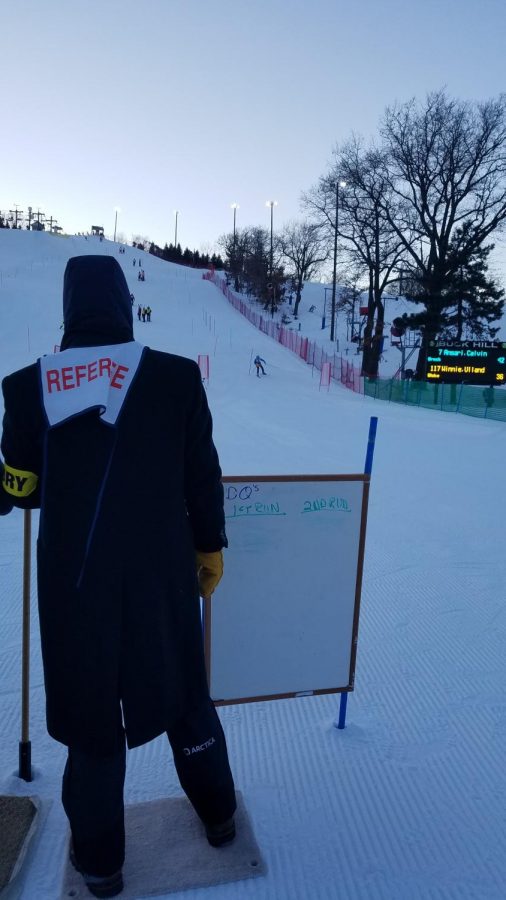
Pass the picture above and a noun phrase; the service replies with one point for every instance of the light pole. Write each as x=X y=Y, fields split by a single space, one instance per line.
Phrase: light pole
x=334 y=275
x=176 y=213
x=324 y=319
x=117 y=209
x=272 y=204
x=235 y=207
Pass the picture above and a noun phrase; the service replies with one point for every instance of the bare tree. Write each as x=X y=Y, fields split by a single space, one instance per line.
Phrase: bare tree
x=247 y=259
x=350 y=297
x=304 y=246
x=365 y=234
x=322 y=201
x=446 y=166
x=370 y=240
x=141 y=241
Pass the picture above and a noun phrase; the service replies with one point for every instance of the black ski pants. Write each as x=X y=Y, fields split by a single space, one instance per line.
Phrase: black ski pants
x=92 y=792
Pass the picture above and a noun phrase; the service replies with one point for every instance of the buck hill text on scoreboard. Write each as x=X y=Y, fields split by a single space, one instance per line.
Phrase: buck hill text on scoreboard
x=468 y=362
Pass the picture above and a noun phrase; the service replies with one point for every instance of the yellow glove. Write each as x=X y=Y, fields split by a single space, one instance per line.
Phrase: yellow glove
x=209 y=571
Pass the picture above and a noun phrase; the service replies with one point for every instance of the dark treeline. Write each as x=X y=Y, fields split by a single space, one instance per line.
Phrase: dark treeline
x=184 y=257
x=8 y=222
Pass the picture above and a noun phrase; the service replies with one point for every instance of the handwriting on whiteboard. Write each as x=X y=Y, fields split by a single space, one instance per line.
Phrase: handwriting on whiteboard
x=327 y=504
x=254 y=509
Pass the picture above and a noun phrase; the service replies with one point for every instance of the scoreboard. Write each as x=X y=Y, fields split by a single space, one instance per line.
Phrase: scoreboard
x=468 y=362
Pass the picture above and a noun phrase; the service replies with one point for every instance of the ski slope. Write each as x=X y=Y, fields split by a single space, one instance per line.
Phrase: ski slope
x=408 y=801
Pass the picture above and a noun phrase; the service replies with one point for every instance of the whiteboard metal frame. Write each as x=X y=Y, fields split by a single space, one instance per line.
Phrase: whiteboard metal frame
x=207 y=603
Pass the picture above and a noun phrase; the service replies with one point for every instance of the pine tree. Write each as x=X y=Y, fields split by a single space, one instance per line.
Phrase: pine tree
x=477 y=299
x=470 y=301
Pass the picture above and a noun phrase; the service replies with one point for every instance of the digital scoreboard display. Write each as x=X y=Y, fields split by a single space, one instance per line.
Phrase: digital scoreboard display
x=468 y=362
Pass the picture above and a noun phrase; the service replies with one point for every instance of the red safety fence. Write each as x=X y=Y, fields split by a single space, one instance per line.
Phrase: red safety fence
x=325 y=375
x=341 y=370
x=203 y=363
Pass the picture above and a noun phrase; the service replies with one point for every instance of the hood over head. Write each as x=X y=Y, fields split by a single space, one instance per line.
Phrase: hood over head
x=97 y=308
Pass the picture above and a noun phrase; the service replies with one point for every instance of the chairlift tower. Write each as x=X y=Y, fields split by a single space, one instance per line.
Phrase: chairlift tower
x=17 y=213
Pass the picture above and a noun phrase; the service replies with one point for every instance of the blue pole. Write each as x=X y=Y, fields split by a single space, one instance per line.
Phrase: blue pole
x=373 y=424
x=342 y=711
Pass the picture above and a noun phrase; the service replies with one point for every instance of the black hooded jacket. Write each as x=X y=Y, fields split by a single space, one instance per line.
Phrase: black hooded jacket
x=97 y=309
x=124 y=503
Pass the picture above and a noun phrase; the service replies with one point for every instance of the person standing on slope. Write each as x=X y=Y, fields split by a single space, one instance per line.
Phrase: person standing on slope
x=120 y=631
x=258 y=364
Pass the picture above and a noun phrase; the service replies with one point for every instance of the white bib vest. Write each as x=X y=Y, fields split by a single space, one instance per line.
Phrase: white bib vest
x=85 y=378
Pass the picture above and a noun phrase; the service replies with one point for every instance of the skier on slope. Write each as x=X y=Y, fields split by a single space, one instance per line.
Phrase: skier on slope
x=259 y=364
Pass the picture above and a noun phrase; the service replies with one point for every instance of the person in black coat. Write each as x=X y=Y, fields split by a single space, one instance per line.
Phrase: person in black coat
x=110 y=438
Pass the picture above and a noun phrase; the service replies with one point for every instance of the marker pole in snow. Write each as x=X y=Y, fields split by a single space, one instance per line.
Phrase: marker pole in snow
x=25 y=747
x=206 y=632
x=373 y=424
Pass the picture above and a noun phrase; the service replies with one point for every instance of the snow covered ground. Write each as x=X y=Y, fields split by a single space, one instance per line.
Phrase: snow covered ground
x=409 y=801
x=317 y=298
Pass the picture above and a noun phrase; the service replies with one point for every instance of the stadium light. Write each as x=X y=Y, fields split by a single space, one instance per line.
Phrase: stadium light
x=117 y=209
x=176 y=213
x=272 y=204
x=235 y=207
x=334 y=275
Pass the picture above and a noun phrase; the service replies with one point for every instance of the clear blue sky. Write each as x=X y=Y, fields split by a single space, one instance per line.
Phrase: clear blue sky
x=183 y=104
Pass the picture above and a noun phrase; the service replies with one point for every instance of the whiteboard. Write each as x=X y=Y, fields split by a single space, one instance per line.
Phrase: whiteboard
x=284 y=618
